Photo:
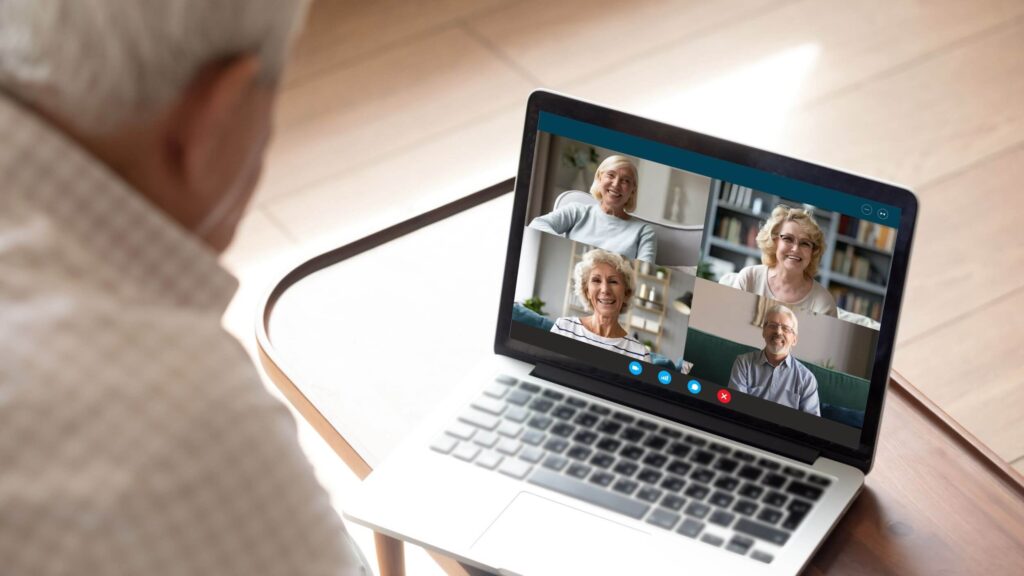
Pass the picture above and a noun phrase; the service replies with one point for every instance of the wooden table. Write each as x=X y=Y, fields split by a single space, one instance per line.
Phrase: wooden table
x=339 y=336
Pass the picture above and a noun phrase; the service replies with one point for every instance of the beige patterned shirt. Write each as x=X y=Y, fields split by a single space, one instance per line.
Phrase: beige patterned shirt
x=135 y=435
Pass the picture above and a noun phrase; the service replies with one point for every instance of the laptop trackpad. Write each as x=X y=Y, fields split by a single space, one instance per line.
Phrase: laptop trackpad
x=535 y=535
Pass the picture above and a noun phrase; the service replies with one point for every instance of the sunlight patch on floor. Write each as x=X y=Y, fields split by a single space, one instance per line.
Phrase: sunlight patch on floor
x=750 y=104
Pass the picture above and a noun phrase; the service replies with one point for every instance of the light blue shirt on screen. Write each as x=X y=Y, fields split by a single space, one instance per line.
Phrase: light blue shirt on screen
x=631 y=238
x=790 y=383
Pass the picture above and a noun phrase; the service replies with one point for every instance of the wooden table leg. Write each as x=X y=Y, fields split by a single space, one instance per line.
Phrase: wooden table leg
x=390 y=555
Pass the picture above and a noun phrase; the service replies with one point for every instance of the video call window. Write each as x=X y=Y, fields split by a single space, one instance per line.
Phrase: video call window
x=602 y=197
x=850 y=257
x=717 y=282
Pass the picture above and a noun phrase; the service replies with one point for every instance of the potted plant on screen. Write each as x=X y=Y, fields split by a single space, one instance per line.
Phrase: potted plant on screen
x=535 y=304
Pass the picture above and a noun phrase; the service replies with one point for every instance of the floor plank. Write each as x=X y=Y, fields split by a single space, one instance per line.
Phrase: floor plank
x=257 y=237
x=341 y=32
x=926 y=121
x=972 y=369
x=360 y=114
x=559 y=42
x=360 y=201
x=968 y=246
x=744 y=80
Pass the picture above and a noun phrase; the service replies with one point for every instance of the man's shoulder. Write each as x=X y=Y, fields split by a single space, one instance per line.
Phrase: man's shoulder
x=139 y=343
x=747 y=358
x=750 y=356
x=157 y=372
x=804 y=372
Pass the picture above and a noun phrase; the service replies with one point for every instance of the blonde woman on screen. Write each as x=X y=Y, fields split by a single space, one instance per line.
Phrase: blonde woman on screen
x=791 y=244
x=607 y=225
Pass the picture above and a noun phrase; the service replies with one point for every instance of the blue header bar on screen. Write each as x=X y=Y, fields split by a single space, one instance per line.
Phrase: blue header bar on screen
x=795 y=190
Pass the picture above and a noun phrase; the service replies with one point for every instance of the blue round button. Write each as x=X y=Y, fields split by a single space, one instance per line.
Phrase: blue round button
x=665 y=377
x=635 y=368
x=693 y=386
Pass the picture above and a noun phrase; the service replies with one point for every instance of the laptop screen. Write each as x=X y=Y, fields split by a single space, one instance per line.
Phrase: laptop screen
x=714 y=281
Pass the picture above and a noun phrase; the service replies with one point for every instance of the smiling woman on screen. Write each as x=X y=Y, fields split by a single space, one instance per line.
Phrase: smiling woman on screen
x=791 y=247
x=603 y=284
x=607 y=225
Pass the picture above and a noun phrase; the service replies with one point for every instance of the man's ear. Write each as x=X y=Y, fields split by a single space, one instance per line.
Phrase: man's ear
x=204 y=114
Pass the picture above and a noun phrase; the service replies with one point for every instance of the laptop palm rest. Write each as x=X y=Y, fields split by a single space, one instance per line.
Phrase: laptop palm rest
x=552 y=537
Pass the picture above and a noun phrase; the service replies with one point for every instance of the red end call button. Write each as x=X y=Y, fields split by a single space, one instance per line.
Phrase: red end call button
x=724 y=396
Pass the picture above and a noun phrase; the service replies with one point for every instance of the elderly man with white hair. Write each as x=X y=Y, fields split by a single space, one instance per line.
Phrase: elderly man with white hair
x=135 y=434
x=772 y=373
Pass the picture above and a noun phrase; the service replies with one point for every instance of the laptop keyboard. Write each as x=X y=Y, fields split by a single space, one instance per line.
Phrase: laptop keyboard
x=687 y=483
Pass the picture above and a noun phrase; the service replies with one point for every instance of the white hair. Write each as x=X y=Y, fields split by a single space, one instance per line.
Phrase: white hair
x=617 y=161
x=581 y=274
x=785 y=311
x=98 y=63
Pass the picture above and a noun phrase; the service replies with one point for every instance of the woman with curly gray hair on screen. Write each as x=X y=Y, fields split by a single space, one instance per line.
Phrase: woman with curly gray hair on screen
x=603 y=284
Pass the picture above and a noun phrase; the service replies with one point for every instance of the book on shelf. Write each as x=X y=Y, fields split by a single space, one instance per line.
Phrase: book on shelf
x=838 y=261
x=860 y=268
x=751 y=237
x=736 y=195
x=849 y=262
x=852 y=263
x=886 y=239
x=842 y=261
x=857 y=303
x=868 y=233
x=725 y=227
x=734 y=230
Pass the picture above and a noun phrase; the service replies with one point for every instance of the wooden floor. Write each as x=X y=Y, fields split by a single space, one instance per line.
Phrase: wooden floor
x=394 y=107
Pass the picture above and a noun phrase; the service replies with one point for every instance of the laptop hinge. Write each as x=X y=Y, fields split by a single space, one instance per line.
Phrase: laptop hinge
x=688 y=416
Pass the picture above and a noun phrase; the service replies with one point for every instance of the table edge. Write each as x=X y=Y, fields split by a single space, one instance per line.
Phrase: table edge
x=996 y=464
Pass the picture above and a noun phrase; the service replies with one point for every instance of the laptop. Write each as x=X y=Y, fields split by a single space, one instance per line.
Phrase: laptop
x=692 y=349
